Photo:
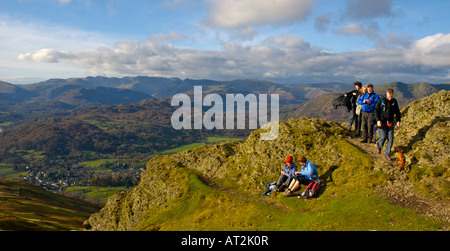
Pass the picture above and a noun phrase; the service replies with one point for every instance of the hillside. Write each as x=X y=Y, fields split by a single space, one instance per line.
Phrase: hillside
x=24 y=207
x=425 y=138
x=101 y=96
x=218 y=187
x=11 y=94
x=135 y=128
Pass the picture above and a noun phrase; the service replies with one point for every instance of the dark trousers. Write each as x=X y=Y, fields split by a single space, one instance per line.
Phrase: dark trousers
x=284 y=181
x=353 y=118
x=358 y=124
x=367 y=125
x=303 y=180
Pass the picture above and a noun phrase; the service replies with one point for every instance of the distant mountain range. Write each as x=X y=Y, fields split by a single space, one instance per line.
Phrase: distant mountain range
x=113 y=91
x=62 y=95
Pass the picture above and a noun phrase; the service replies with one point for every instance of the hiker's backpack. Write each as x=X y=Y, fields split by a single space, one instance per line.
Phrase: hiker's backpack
x=311 y=190
x=270 y=187
x=341 y=100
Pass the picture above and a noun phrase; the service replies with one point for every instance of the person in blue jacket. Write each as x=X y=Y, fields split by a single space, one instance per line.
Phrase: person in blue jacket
x=287 y=174
x=307 y=175
x=368 y=102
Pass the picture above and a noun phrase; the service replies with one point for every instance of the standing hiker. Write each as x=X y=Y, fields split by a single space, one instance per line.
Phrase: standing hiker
x=368 y=102
x=385 y=110
x=287 y=174
x=353 y=118
x=359 y=110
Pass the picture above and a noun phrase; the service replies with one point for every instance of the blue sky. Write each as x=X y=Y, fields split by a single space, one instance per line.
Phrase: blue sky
x=286 y=41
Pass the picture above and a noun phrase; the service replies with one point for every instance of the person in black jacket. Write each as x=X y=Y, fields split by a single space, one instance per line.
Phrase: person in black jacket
x=385 y=110
x=353 y=95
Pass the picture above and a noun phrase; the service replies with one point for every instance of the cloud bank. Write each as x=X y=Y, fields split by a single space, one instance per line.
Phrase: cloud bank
x=284 y=57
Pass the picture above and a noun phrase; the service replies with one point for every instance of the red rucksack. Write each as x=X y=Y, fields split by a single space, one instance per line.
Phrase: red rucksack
x=311 y=190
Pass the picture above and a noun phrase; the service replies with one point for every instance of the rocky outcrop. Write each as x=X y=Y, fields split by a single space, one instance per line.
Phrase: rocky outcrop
x=244 y=167
x=424 y=137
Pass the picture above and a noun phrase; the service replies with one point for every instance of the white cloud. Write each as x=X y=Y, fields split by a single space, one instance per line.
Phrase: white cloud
x=42 y=56
x=283 y=57
x=27 y=41
x=243 y=13
x=433 y=51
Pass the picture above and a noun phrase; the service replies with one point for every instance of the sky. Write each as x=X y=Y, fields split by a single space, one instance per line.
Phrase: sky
x=284 y=41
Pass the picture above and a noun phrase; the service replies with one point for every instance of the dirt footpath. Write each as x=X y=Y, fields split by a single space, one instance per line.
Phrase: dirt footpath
x=399 y=190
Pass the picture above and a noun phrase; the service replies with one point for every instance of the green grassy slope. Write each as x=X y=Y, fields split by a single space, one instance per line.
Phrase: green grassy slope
x=218 y=188
x=24 y=207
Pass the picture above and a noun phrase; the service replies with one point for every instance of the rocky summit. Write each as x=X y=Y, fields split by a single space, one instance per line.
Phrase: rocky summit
x=424 y=138
x=218 y=187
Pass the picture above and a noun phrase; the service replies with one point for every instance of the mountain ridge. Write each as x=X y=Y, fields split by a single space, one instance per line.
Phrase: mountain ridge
x=166 y=87
x=33 y=101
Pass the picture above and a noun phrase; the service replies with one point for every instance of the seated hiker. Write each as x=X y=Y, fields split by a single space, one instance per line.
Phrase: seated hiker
x=307 y=175
x=287 y=174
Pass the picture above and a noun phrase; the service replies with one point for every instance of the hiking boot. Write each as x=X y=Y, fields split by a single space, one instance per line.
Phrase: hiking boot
x=378 y=149
x=364 y=141
x=288 y=193
x=387 y=157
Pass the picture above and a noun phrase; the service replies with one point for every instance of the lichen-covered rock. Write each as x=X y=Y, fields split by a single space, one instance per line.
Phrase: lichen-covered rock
x=424 y=137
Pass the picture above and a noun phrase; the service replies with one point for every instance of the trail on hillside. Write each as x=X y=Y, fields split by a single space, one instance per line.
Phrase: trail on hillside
x=400 y=191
